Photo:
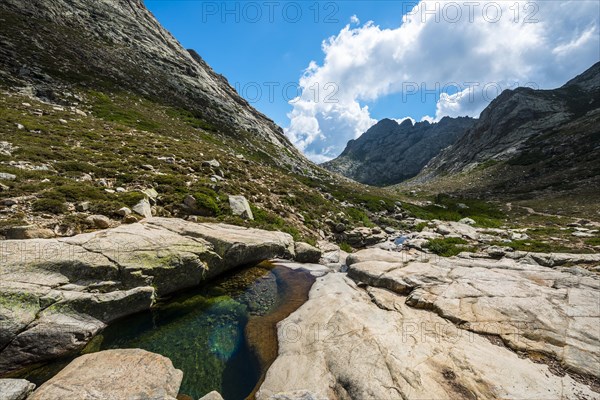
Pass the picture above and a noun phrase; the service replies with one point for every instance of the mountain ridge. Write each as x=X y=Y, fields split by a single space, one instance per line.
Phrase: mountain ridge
x=391 y=152
x=533 y=139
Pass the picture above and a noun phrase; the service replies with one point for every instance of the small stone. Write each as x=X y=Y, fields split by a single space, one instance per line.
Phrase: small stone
x=20 y=127
x=148 y=167
x=81 y=113
x=125 y=211
x=462 y=206
x=151 y=193
x=3 y=187
x=339 y=228
x=130 y=219
x=240 y=207
x=8 y=177
x=83 y=206
x=99 y=221
x=467 y=221
x=443 y=230
x=143 y=208
x=63 y=121
x=86 y=178
x=111 y=191
x=121 y=190
x=582 y=234
x=211 y=164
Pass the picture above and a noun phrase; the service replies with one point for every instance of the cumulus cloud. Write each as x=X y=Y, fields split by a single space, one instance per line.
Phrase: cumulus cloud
x=462 y=57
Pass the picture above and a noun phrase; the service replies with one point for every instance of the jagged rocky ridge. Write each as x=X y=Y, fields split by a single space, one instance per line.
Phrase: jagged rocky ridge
x=119 y=45
x=530 y=140
x=390 y=152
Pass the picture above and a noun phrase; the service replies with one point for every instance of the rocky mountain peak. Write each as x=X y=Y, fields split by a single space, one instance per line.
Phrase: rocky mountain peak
x=119 y=45
x=390 y=152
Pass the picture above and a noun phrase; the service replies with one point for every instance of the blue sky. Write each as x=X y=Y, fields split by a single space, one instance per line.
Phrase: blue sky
x=249 y=52
x=463 y=57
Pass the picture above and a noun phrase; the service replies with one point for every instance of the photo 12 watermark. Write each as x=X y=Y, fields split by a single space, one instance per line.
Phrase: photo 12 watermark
x=253 y=12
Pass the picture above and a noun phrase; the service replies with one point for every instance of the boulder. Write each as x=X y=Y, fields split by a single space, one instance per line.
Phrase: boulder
x=57 y=294
x=28 y=232
x=330 y=252
x=240 y=207
x=143 y=208
x=114 y=375
x=99 y=221
x=211 y=164
x=151 y=193
x=7 y=177
x=467 y=221
x=15 y=389
x=83 y=206
x=305 y=253
x=490 y=296
x=443 y=230
x=124 y=211
x=214 y=395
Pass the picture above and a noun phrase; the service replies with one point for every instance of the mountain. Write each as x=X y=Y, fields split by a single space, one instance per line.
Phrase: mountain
x=103 y=112
x=390 y=152
x=118 y=44
x=527 y=141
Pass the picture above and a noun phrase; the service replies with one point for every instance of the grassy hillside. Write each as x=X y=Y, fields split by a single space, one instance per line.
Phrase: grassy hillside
x=106 y=148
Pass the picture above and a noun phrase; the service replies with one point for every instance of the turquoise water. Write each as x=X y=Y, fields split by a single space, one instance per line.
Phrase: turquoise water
x=202 y=332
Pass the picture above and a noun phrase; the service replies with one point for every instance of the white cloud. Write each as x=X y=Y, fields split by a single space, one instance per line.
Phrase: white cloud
x=354 y=19
x=367 y=63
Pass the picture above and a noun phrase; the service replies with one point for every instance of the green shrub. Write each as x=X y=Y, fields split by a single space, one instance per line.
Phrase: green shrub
x=130 y=199
x=593 y=241
x=53 y=206
x=420 y=226
x=447 y=247
x=208 y=203
x=346 y=247
x=106 y=207
x=358 y=216
x=79 y=192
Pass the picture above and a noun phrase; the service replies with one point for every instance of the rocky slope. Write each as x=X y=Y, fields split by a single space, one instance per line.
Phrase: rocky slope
x=118 y=44
x=390 y=152
x=104 y=113
x=527 y=141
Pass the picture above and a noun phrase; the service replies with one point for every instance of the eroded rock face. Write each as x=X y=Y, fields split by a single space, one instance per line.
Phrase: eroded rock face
x=401 y=325
x=56 y=294
x=114 y=375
